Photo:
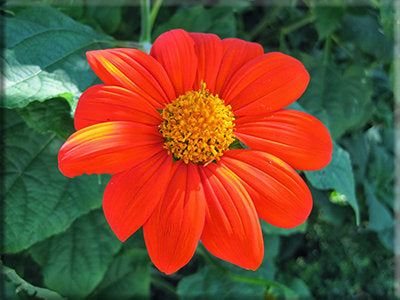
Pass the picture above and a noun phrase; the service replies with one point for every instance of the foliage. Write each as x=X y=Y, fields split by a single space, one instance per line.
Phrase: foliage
x=56 y=241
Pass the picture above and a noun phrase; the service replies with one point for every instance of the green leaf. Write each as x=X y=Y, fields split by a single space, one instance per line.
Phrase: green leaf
x=49 y=116
x=75 y=261
x=342 y=100
x=211 y=282
x=20 y=285
x=380 y=217
x=267 y=269
x=38 y=200
x=338 y=176
x=387 y=16
x=327 y=19
x=108 y=17
x=381 y=172
x=300 y=288
x=270 y=229
x=127 y=277
x=329 y=212
x=366 y=33
x=217 y=19
x=227 y=281
x=45 y=56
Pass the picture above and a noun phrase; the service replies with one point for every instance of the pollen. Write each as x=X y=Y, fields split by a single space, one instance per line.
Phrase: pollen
x=197 y=127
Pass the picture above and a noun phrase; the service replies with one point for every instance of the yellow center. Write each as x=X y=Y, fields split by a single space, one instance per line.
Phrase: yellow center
x=197 y=127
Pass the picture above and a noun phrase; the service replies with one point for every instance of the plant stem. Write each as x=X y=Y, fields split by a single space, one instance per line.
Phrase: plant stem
x=296 y=25
x=145 y=34
x=154 y=11
x=327 y=51
x=344 y=48
x=266 y=20
x=292 y=27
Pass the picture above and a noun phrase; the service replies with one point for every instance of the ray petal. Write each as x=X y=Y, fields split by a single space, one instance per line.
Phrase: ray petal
x=173 y=230
x=297 y=138
x=279 y=194
x=232 y=230
x=104 y=103
x=110 y=147
x=130 y=197
x=265 y=84
x=134 y=70
x=176 y=53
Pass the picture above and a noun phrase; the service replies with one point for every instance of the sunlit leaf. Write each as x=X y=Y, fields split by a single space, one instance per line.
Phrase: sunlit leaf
x=44 y=56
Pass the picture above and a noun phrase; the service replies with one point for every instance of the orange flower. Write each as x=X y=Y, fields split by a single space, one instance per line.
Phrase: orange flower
x=174 y=173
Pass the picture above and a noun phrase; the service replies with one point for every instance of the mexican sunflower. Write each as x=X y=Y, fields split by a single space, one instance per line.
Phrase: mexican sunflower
x=165 y=124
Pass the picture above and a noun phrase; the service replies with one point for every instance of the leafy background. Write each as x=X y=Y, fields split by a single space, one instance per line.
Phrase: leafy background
x=56 y=243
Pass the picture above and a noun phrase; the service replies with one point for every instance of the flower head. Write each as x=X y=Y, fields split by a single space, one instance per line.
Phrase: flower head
x=163 y=125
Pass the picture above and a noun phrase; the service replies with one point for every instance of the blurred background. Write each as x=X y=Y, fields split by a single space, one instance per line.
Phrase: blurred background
x=344 y=250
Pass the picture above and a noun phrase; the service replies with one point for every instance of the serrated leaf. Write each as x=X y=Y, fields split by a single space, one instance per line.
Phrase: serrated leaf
x=127 y=277
x=44 y=56
x=38 y=200
x=338 y=176
x=49 y=116
x=75 y=261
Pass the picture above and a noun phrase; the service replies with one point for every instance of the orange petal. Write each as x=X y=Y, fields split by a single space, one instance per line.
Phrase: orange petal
x=297 y=138
x=130 y=197
x=134 y=70
x=232 y=230
x=279 y=194
x=175 y=51
x=104 y=103
x=265 y=84
x=209 y=52
x=173 y=230
x=236 y=53
x=110 y=147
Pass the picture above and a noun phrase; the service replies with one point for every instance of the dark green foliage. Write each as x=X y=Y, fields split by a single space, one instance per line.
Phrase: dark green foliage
x=56 y=242
x=340 y=263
